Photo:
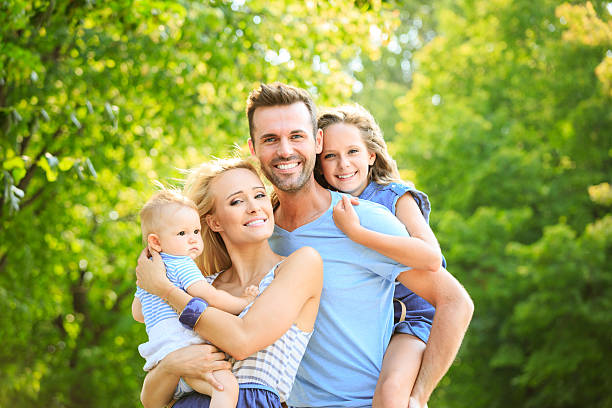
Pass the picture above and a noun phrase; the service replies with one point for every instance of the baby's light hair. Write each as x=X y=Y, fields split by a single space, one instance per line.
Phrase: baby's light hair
x=151 y=215
x=384 y=170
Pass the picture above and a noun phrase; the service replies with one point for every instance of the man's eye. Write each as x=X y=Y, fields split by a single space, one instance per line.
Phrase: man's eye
x=269 y=139
x=181 y=233
x=296 y=136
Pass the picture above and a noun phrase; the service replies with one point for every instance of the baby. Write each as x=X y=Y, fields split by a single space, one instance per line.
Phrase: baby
x=171 y=225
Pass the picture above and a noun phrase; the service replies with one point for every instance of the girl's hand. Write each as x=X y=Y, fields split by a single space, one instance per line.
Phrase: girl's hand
x=346 y=217
x=151 y=273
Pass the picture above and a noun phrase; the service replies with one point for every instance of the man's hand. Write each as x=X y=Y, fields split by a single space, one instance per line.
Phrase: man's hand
x=346 y=217
x=151 y=273
x=197 y=361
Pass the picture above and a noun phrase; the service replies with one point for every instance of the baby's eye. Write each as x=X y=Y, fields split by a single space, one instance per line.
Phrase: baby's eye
x=196 y=231
x=329 y=156
x=181 y=233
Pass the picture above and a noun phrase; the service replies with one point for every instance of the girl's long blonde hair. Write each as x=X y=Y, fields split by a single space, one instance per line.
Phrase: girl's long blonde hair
x=384 y=170
x=215 y=257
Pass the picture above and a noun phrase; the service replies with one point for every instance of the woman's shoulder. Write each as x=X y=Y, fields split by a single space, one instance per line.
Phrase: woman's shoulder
x=303 y=260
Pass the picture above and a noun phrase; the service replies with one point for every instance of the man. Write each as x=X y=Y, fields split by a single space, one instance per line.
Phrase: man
x=353 y=328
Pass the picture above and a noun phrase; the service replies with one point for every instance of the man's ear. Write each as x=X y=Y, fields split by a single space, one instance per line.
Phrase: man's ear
x=213 y=223
x=319 y=141
x=251 y=146
x=154 y=242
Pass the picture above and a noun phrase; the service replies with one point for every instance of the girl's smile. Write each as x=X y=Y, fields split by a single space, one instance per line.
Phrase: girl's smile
x=345 y=160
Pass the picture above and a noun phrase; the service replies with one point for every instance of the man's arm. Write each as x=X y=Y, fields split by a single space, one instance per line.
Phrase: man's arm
x=454 y=310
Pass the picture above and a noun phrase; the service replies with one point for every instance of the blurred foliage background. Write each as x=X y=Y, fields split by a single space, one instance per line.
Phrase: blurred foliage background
x=500 y=110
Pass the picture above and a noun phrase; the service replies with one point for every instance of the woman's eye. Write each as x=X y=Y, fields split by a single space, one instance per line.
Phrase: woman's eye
x=181 y=233
x=234 y=202
x=329 y=156
x=260 y=195
x=353 y=151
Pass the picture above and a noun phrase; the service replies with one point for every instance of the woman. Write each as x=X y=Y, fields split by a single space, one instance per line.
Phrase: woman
x=237 y=220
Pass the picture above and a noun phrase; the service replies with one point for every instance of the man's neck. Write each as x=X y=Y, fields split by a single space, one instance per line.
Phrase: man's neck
x=299 y=208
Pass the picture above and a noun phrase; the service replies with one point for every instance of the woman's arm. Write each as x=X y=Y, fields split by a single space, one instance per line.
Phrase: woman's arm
x=410 y=251
x=296 y=289
x=198 y=361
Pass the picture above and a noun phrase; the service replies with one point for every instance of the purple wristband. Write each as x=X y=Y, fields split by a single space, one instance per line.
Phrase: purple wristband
x=192 y=312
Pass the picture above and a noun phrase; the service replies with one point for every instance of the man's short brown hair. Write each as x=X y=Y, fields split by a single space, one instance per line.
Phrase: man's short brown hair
x=279 y=94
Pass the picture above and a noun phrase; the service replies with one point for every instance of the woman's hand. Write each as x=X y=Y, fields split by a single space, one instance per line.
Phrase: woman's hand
x=346 y=217
x=197 y=361
x=151 y=273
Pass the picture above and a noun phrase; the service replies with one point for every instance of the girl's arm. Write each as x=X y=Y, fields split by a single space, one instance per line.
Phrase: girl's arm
x=219 y=299
x=292 y=297
x=137 y=310
x=409 y=213
x=409 y=251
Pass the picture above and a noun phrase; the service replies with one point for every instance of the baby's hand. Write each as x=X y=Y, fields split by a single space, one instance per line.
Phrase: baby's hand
x=251 y=293
x=346 y=217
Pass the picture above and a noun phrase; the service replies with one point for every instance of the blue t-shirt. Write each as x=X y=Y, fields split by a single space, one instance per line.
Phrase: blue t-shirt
x=353 y=328
x=183 y=272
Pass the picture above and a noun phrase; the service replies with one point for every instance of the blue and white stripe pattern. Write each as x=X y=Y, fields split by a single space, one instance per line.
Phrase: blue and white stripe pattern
x=276 y=365
x=182 y=272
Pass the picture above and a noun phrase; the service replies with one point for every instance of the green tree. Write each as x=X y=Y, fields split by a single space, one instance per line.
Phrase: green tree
x=96 y=100
x=507 y=126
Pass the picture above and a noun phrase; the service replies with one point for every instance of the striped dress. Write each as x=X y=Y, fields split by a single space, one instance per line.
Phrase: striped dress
x=275 y=366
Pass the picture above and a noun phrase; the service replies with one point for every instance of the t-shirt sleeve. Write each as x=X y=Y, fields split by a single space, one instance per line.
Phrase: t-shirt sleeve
x=139 y=292
x=421 y=198
x=187 y=273
x=377 y=218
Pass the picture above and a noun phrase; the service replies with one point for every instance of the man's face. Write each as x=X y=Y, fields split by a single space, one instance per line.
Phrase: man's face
x=284 y=144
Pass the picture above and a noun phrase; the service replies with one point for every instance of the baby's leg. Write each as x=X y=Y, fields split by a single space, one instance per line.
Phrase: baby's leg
x=399 y=371
x=228 y=398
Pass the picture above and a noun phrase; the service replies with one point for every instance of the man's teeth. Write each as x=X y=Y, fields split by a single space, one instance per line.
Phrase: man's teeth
x=287 y=166
x=255 y=222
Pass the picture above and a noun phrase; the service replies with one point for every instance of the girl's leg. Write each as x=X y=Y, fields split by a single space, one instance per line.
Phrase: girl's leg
x=228 y=398
x=399 y=371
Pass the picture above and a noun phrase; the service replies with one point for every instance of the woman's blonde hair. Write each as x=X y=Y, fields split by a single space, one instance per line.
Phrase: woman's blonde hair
x=214 y=257
x=384 y=170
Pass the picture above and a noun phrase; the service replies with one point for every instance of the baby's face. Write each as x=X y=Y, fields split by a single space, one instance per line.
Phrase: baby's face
x=180 y=232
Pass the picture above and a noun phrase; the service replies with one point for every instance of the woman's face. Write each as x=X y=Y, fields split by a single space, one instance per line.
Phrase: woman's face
x=243 y=211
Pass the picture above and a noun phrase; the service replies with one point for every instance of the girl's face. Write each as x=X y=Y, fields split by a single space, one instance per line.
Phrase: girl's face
x=243 y=211
x=345 y=158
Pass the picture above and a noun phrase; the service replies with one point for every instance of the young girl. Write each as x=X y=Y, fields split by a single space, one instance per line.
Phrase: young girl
x=354 y=160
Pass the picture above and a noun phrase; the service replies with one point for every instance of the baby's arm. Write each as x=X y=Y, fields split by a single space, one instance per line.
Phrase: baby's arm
x=221 y=299
x=410 y=251
x=137 y=310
